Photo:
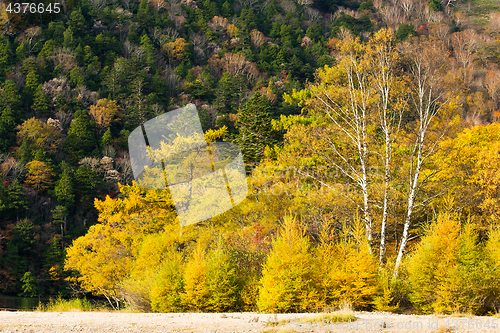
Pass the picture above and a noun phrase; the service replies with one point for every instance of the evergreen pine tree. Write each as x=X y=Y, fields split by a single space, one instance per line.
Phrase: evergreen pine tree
x=255 y=131
x=41 y=102
x=64 y=188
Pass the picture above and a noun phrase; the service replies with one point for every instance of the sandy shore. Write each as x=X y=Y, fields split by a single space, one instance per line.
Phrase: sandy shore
x=58 y=322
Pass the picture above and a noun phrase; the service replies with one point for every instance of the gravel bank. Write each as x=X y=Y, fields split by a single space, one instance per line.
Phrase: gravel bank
x=59 y=322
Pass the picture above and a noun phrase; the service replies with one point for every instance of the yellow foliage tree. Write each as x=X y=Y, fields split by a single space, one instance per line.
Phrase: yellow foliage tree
x=289 y=279
x=450 y=271
x=45 y=137
x=105 y=112
x=221 y=283
x=348 y=270
x=470 y=169
x=433 y=267
x=175 y=49
x=104 y=257
x=149 y=281
x=39 y=176
x=168 y=288
x=195 y=276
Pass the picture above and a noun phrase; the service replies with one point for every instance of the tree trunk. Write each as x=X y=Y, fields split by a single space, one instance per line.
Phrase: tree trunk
x=385 y=206
x=411 y=201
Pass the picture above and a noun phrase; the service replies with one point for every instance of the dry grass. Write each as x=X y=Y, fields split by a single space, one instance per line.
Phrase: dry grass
x=335 y=317
x=343 y=313
x=478 y=10
x=462 y=315
x=279 y=330
x=443 y=329
x=70 y=305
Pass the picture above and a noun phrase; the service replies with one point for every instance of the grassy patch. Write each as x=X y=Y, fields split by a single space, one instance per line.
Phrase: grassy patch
x=333 y=317
x=336 y=317
x=444 y=330
x=279 y=330
x=461 y=314
x=70 y=305
x=479 y=10
x=277 y=322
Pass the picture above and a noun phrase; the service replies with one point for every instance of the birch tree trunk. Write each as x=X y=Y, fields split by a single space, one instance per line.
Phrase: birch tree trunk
x=427 y=68
x=384 y=57
x=351 y=117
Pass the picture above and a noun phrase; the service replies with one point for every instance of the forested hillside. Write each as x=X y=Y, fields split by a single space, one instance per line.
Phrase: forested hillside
x=369 y=131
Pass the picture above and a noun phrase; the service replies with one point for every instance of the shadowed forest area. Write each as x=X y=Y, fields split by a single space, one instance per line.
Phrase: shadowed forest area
x=369 y=132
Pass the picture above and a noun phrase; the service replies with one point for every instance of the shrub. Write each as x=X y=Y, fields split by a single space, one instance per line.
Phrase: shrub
x=70 y=305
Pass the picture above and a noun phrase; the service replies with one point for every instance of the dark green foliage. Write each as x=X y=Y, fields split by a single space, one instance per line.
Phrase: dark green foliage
x=76 y=78
x=229 y=93
x=106 y=139
x=436 y=5
x=55 y=31
x=47 y=48
x=248 y=20
x=86 y=181
x=69 y=40
x=405 y=30
x=53 y=255
x=21 y=247
x=21 y=52
x=254 y=128
x=315 y=32
x=202 y=87
x=367 y=5
x=64 y=187
x=133 y=35
x=355 y=25
x=13 y=200
x=81 y=140
x=31 y=84
x=59 y=217
x=77 y=21
x=4 y=55
x=30 y=285
x=41 y=102
x=10 y=109
x=25 y=151
x=160 y=87
x=17 y=200
x=227 y=10
x=145 y=16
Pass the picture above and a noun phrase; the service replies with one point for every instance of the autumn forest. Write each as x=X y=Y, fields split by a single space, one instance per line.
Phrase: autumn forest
x=369 y=130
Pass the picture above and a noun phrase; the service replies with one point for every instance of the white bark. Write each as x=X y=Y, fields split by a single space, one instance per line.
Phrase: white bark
x=352 y=119
x=389 y=122
x=427 y=107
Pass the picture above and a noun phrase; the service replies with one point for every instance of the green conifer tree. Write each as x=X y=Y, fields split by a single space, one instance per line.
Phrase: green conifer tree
x=41 y=102
x=255 y=131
